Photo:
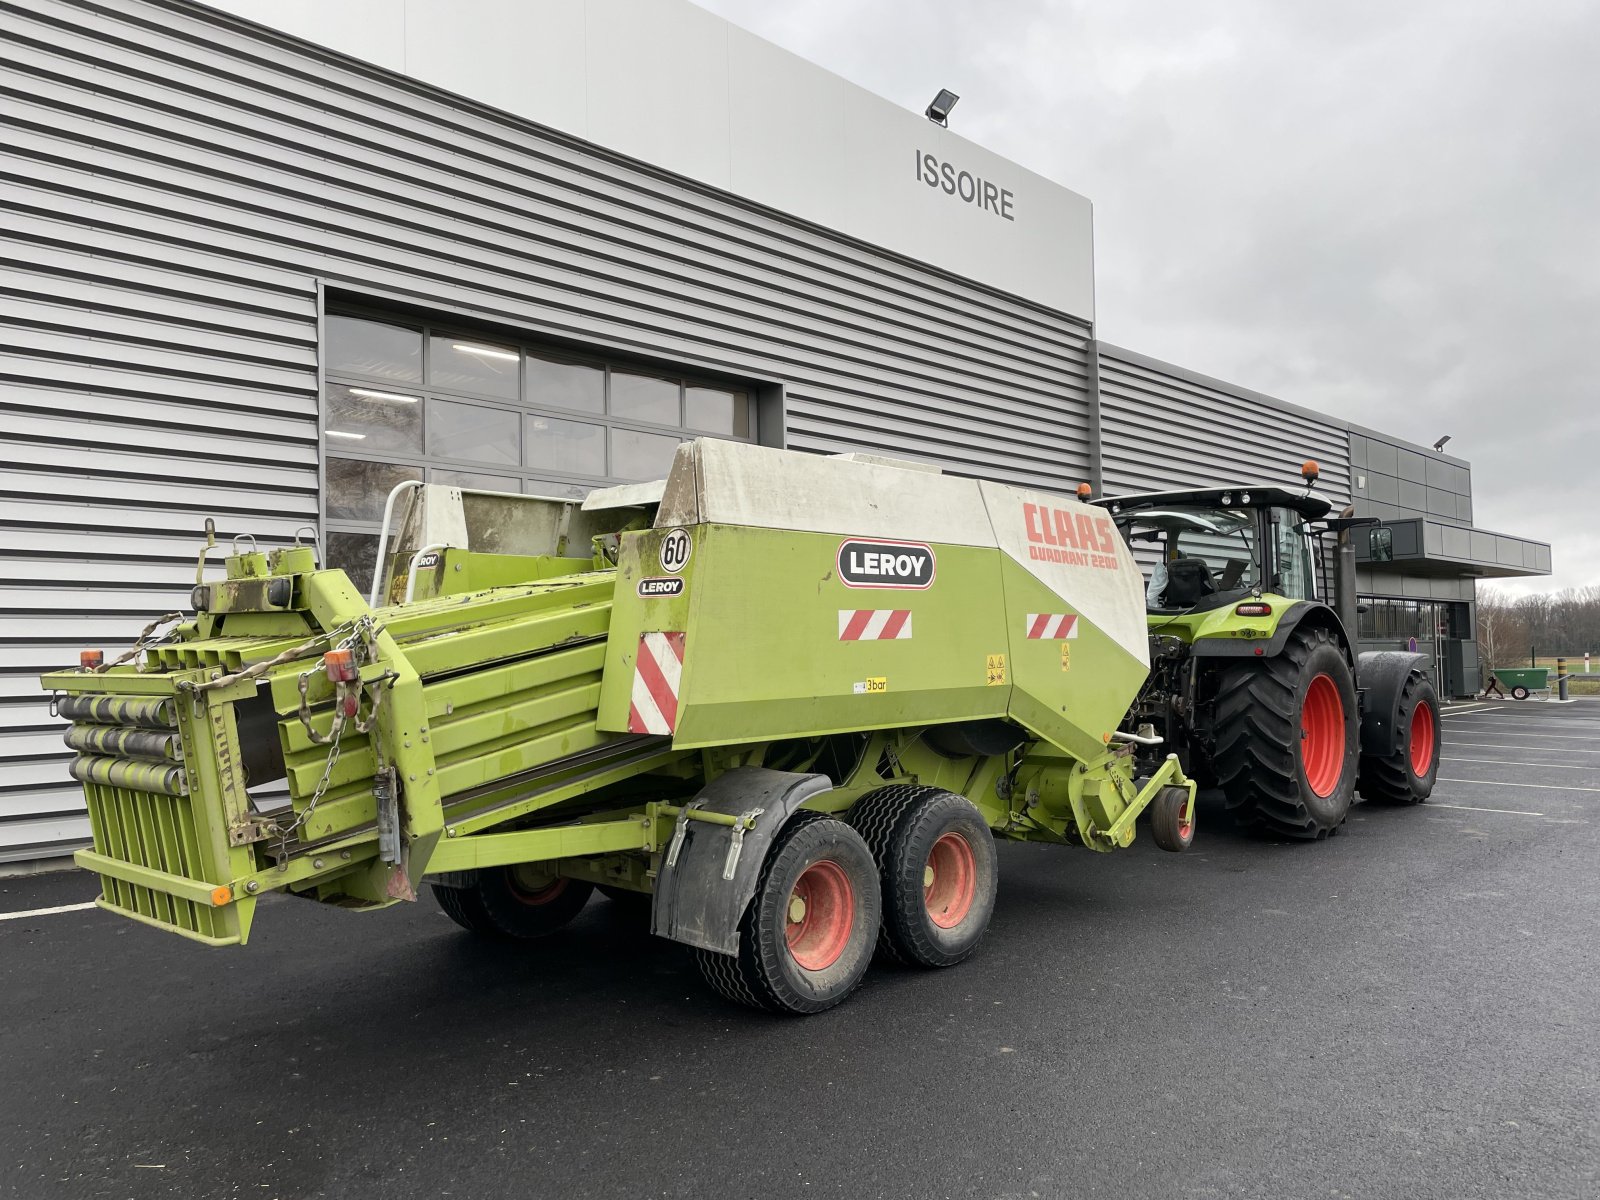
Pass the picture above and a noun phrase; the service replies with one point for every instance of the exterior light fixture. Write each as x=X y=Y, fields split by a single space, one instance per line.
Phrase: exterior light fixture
x=485 y=351
x=340 y=433
x=394 y=396
x=939 y=111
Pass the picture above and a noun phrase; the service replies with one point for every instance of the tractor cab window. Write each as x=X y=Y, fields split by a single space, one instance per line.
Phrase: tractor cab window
x=1293 y=569
x=1194 y=557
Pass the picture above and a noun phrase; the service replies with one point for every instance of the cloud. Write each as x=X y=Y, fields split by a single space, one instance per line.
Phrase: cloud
x=1390 y=213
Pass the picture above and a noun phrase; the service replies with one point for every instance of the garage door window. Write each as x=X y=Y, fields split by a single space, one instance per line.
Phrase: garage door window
x=452 y=405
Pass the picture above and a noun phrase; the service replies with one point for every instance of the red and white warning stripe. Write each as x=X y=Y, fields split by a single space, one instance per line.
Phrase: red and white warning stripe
x=874 y=624
x=657 y=671
x=1052 y=625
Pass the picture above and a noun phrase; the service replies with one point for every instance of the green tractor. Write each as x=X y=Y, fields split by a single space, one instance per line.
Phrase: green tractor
x=1254 y=677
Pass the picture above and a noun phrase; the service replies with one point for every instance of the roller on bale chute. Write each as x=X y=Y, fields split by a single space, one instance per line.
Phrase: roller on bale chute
x=791 y=699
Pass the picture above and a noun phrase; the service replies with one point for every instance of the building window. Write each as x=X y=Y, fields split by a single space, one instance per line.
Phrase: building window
x=410 y=401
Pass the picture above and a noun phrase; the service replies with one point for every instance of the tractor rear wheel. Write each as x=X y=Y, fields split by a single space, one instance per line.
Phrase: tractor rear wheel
x=937 y=868
x=519 y=902
x=806 y=937
x=1407 y=776
x=1286 y=743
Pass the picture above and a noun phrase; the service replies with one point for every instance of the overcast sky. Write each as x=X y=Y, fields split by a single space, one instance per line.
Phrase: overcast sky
x=1388 y=212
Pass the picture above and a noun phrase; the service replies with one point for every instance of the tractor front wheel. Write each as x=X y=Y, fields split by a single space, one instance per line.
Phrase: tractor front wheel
x=806 y=937
x=1407 y=776
x=1286 y=744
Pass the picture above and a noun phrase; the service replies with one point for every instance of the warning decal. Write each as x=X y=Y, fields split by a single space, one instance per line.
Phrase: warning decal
x=995 y=669
x=874 y=624
x=657 y=672
x=1051 y=625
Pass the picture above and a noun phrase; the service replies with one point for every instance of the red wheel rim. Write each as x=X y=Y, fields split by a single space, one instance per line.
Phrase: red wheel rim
x=1322 y=735
x=950 y=881
x=1421 y=739
x=822 y=912
x=1185 y=828
x=534 y=896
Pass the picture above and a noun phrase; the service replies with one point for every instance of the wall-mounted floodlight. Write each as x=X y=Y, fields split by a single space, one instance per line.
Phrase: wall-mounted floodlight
x=939 y=111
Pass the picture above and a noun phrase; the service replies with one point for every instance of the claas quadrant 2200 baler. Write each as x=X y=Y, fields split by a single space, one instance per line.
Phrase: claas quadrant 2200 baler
x=788 y=700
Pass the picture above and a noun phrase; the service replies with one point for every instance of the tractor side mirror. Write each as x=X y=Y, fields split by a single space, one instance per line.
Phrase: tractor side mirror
x=1380 y=544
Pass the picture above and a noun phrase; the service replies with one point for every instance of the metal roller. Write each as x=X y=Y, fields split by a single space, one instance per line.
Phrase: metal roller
x=120 y=710
x=127 y=773
x=125 y=743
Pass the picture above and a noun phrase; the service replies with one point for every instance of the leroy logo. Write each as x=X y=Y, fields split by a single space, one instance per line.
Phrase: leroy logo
x=870 y=563
x=661 y=587
x=1076 y=539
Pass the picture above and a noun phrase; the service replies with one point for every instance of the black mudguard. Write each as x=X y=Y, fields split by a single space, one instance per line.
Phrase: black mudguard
x=697 y=901
x=1380 y=677
x=1298 y=611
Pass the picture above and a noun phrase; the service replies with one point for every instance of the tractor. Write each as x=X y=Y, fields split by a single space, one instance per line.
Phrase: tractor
x=1255 y=681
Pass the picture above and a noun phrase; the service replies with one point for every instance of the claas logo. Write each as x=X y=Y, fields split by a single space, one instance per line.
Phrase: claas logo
x=1078 y=539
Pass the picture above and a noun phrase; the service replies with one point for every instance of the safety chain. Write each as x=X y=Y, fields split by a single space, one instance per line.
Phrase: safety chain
x=360 y=635
x=140 y=642
x=256 y=670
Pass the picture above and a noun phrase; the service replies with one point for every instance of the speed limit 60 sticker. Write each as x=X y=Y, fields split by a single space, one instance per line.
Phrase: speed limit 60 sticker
x=675 y=550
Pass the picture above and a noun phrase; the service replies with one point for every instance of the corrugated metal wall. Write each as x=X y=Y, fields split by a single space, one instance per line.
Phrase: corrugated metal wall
x=174 y=186
x=1164 y=427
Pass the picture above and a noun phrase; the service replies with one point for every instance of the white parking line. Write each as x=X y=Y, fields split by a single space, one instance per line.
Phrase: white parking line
x=1565 y=737
x=1511 y=714
x=1507 y=762
x=1451 y=710
x=1521 y=746
x=45 y=912
x=1552 y=787
x=1514 y=812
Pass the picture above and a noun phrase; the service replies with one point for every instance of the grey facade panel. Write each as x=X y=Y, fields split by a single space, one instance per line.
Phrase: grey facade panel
x=177 y=185
x=1163 y=427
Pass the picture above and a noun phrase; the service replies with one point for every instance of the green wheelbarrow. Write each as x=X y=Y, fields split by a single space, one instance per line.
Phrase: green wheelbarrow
x=1522 y=681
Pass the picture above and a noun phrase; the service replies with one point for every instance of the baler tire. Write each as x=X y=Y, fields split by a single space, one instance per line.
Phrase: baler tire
x=461 y=906
x=767 y=972
x=1260 y=734
x=1396 y=779
x=914 y=830
x=1167 y=826
x=495 y=906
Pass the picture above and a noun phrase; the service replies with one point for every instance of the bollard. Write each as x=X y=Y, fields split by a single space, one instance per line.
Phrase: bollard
x=1561 y=679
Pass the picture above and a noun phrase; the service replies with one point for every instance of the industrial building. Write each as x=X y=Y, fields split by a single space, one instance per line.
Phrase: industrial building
x=264 y=260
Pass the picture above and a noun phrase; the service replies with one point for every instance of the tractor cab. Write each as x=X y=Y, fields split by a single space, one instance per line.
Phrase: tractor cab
x=1207 y=548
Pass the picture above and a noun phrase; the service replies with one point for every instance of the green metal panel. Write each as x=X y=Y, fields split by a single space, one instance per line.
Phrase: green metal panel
x=1072 y=690
x=764 y=656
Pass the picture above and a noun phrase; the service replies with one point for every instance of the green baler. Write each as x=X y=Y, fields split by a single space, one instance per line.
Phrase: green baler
x=786 y=698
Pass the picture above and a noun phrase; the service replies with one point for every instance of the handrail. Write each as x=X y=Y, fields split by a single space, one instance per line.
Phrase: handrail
x=383 y=537
x=411 y=575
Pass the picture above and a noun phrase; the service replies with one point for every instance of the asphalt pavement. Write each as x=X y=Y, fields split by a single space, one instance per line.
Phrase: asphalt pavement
x=1406 y=1010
